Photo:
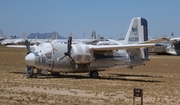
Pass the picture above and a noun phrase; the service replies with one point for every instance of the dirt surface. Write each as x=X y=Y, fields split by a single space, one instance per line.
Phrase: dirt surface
x=159 y=79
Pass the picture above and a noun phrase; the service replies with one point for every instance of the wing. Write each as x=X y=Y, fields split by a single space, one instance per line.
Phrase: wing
x=174 y=40
x=155 y=41
x=145 y=42
x=20 y=46
x=119 y=47
x=16 y=46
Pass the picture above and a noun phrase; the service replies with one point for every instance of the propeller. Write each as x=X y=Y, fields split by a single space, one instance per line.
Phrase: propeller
x=28 y=46
x=68 y=53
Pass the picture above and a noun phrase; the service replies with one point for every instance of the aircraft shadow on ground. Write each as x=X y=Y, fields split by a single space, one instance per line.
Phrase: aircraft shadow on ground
x=130 y=75
x=121 y=77
x=134 y=75
x=18 y=72
x=100 y=78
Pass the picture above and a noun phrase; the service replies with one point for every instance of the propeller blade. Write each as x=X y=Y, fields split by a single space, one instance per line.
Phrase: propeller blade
x=71 y=58
x=62 y=57
x=68 y=53
x=27 y=46
x=69 y=44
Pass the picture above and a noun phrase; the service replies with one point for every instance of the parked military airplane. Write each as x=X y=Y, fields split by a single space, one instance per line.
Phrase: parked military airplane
x=12 y=41
x=174 y=46
x=171 y=46
x=54 y=39
x=91 y=40
x=21 y=40
x=73 y=58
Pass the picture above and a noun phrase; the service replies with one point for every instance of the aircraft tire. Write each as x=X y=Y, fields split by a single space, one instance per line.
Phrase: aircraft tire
x=55 y=73
x=94 y=74
x=33 y=76
x=39 y=71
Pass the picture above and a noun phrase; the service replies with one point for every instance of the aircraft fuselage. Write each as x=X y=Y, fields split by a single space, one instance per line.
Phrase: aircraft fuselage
x=48 y=57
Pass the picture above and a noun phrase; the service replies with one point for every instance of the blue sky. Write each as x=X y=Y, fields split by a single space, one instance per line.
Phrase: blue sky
x=109 y=18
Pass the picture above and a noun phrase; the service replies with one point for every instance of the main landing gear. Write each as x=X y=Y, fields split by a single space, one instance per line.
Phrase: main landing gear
x=31 y=74
x=55 y=73
x=94 y=74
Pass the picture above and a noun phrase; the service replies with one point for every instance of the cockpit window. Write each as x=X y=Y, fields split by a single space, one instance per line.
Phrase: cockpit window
x=44 y=50
x=36 y=54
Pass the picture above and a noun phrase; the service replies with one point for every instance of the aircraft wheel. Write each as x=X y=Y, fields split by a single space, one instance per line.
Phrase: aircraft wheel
x=32 y=76
x=94 y=74
x=39 y=71
x=55 y=73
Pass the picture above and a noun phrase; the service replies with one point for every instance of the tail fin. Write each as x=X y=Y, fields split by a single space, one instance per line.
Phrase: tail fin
x=24 y=36
x=137 y=33
x=1 y=33
x=1 y=36
x=55 y=36
x=93 y=35
x=36 y=38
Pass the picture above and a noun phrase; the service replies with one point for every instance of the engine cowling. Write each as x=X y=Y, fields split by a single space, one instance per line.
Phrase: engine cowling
x=81 y=53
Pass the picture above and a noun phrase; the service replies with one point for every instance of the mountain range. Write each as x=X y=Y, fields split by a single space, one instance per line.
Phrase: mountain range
x=43 y=35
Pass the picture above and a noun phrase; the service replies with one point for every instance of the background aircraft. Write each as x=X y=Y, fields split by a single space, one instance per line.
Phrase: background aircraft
x=174 y=47
x=171 y=46
x=48 y=39
x=91 y=40
x=12 y=41
x=21 y=40
x=73 y=58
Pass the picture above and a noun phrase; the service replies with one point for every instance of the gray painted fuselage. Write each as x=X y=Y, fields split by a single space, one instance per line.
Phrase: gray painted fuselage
x=50 y=60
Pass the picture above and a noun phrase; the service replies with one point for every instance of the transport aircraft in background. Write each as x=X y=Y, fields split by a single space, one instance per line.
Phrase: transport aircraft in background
x=14 y=40
x=171 y=46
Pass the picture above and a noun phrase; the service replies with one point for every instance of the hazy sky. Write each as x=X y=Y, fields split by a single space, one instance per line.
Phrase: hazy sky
x=109 y=18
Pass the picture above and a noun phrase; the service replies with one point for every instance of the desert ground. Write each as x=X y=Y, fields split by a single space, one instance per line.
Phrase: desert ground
x=159 y=79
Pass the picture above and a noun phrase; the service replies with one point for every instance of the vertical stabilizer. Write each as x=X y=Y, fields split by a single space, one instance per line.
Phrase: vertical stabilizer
x=93 y=34
x=137 y=32
x=24 y=36
x=36 y=38
x=1 y=33
x=55 y=36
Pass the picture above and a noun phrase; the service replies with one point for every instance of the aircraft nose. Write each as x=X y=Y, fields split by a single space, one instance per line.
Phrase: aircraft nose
x=30 y=59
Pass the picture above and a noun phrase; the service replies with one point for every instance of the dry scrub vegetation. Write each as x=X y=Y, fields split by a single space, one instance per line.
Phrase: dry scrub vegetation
x=160 y=80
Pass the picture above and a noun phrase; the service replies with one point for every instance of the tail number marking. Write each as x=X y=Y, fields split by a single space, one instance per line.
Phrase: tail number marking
x=132 y=39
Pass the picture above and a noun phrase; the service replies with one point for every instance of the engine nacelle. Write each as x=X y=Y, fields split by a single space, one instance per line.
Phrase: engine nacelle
x=81 y=53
